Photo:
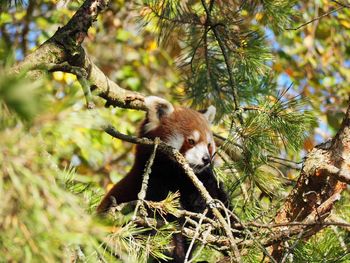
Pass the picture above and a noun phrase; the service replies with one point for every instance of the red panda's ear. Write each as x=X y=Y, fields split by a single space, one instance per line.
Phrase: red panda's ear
x=157 y=108
x=209 y=113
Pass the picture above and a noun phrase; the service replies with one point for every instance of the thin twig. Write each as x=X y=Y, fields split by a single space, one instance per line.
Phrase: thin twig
x=198 y=216
x=340 y=3
x=234 y=173
x=286 y=163
x=340 y=238
x=283 y=159
x=318 y=18
x=196 y=235
x=173 y=20
x=204 y=242
x=148 y=168
x=294 y=228
x=241 y=224
x=290 y=249
x=26 y=22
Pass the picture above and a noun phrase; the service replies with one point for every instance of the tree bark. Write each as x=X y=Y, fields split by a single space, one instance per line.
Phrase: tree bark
x=323 y=177
x=63 y=52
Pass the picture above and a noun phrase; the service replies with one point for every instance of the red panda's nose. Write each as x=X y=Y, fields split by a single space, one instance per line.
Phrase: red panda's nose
x=206 y=159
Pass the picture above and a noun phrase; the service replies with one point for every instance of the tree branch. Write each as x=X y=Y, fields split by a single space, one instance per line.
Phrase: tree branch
x=284 y=231
x=148 y=169
x=342 y=175
x=342 y=6
x=324 y=176
x=64 y=50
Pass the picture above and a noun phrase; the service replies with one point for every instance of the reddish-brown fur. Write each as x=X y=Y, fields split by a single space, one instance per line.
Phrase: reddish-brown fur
x=183 y=121
x=166 y=175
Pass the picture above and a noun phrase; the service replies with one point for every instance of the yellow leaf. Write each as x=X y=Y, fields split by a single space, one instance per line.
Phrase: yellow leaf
x=272 y=98
x=258 y=16
x=278 y=67
x=41 y=22
x=152 y=45
x=345 y=23
x=69 y=78
x=180 y=89
x=92 y=31
x=308 y=144
x=58 y=75
x=20 y=15
x=145 y=11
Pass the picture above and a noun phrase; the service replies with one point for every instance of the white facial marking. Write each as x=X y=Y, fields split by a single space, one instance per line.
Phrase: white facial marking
x=196 y=135
x=195 y=155
x=156 y=109
x=176 y=140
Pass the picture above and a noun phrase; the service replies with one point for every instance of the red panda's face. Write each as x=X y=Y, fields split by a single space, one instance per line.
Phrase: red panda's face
x=185 y=129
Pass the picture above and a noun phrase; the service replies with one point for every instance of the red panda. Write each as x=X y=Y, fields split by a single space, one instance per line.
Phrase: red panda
x=189 y=132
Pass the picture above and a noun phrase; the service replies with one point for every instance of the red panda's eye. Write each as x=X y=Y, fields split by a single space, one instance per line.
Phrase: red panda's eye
x=191 y=141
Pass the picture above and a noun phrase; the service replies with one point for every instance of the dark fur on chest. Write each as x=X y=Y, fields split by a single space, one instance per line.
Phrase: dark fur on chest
x=168 y=176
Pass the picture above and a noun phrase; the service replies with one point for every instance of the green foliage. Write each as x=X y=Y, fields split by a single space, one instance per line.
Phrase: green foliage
x=39 y=218
x=56 y=163
x=48 y=210
x=19 y=96
x=275 y=14
x=222 y=56
x=226 y=60
x=323 y=247
x=132 y=244
x=321 y=50
x=278 y=121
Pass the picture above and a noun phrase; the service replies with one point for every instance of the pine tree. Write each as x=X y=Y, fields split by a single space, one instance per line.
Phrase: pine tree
x=225 y=60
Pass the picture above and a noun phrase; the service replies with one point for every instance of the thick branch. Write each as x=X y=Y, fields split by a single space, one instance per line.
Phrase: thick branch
x=111 y=91
x=342 y=175
x=324 y=176
x=64 y=48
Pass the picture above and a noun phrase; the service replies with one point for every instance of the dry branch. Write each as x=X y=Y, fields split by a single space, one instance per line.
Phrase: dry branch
x=266 y=236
